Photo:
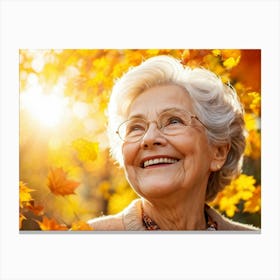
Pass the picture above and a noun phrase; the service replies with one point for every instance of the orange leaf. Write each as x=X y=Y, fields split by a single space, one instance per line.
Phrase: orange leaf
x=81 y=226
x=59 y=184
x=51 y=224
x=36 y=209
x=253 y=204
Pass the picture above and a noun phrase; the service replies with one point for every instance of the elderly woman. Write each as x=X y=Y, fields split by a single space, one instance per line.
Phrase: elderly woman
x=179 y=135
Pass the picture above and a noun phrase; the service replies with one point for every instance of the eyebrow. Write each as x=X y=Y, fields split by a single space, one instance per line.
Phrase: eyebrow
x=163 y=111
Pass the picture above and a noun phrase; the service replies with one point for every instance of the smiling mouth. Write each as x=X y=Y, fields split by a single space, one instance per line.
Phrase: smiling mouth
x=158 y=161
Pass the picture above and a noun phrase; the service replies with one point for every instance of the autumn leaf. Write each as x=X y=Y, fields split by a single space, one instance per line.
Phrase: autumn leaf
x=216 y=52
x=86 y=150
x=51 y=224
x=253 y=204
x=59 y=184
x=24 y=195
x=231 y=53
x=255 y=104
x=80 y=225
x=242 y=188
x=228 y=205
x=21 y=218
x=253 y=145
x=36 y=209
x=231 y=62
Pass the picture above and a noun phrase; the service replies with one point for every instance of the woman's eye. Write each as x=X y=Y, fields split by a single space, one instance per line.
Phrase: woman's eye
x=135 y=128
x=175 y=120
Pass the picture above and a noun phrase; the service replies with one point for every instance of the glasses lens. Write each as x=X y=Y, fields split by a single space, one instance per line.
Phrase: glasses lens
x=174 y=122
x=132 y=130
x=171 y=122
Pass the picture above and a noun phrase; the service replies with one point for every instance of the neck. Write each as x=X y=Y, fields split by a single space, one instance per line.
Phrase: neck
x=180 y=215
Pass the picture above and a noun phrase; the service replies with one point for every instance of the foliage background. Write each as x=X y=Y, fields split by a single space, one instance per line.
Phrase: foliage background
x=66 y=173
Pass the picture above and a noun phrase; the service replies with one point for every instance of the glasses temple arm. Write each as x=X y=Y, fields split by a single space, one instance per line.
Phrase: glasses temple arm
x=195 y=117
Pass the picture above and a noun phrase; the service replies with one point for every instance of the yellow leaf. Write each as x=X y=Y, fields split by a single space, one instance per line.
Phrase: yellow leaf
x=253 y=145
x=152 y=52
x=216 y=52
x=250 y=122
x=86 y=150
x=24 y=195
x=242 y=188
x=255 y=105
x=228 y=205
x=231 y=62
x=234 y=53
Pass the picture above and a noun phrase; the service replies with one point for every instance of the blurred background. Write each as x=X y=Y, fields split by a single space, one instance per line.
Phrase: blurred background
x=66 y=173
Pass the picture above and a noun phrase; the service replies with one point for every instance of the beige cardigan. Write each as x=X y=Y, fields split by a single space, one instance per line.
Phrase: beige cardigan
x=131 y=219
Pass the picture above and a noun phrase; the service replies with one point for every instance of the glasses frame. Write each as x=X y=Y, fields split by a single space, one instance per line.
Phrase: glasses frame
x=192 y=116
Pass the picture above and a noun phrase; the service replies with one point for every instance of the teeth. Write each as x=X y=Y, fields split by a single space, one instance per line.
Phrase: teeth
x=158 y=161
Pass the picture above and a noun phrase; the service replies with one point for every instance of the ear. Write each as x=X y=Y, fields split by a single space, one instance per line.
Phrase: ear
x=219 y=156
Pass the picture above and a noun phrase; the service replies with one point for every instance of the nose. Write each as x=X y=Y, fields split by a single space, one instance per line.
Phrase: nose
x=153 y=137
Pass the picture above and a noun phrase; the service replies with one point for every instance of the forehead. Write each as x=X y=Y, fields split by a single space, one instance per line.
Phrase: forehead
x=160 y=98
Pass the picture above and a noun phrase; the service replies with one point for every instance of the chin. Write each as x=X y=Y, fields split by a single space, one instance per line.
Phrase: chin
x=152 y=190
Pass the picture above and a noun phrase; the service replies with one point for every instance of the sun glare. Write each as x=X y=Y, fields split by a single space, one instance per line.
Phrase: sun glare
x=47 y=109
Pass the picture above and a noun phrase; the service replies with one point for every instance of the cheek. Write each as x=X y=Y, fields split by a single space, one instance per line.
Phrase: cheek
x=129 y=152
x=195 y=149
x=202 y=155
x=184 y=145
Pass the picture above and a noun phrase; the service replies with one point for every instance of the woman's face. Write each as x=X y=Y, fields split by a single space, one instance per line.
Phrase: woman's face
x=187 y=156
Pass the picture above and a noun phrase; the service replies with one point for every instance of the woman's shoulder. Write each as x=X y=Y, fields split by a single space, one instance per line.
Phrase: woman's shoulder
x=104 y=223
x=224 y=223
x=127 y=219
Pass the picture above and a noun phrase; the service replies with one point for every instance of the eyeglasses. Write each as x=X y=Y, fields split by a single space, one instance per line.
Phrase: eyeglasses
x=171 y=122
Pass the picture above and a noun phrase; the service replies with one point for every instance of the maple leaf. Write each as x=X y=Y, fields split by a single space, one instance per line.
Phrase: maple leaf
x=51 y=224
x=81 y=225
x=59 y=184
x=36 y=209
x=24 y=195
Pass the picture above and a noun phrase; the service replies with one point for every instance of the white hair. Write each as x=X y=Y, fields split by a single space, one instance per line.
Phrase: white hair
x=216 y=105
